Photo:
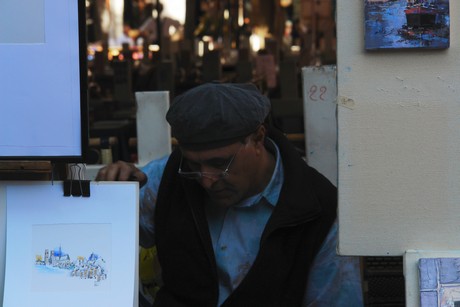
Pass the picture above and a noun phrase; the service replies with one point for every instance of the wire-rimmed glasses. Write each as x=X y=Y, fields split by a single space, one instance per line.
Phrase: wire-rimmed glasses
x=210 y=175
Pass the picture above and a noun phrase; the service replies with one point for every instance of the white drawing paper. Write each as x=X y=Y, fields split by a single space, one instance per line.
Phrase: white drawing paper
x=72 y=251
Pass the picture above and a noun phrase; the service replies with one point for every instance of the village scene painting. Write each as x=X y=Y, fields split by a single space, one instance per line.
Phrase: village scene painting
x=56 y=260
x=69 y=257
x=401 y=24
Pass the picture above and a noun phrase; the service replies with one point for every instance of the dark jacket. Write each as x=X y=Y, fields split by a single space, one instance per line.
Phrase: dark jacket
x=292 y=237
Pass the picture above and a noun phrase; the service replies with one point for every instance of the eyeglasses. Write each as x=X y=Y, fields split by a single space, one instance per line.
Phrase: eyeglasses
x=210 y=175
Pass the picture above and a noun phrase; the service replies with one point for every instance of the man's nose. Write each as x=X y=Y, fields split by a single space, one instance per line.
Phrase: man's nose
x=207 y=181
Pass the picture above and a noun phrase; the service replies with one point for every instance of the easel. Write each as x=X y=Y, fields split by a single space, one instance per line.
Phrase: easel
x=26 y=170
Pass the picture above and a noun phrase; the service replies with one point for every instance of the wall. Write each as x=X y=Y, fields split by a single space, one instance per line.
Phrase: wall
x=399 y=142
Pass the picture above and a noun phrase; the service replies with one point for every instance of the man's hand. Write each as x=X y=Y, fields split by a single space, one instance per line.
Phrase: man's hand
x=121 y=171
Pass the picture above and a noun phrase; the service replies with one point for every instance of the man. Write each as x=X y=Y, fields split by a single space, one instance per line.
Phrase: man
x=240 y=219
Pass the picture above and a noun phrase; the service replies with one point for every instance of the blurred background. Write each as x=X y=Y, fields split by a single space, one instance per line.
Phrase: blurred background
x=152 y=45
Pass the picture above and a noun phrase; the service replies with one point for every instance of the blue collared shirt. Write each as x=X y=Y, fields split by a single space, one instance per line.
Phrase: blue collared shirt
x=236 y=232
x=333 y=281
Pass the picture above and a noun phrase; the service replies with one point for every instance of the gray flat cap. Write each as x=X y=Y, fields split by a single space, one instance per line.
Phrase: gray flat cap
x=216 y=114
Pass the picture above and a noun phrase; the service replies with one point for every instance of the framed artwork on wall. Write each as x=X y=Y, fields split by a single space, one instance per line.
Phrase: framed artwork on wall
x=406 y=24
x=439 y=282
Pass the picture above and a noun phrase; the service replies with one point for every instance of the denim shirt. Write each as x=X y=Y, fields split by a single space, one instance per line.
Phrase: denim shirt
x=333 y=280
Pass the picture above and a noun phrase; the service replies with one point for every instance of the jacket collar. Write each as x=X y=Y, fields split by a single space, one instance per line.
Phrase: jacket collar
x=297 y=202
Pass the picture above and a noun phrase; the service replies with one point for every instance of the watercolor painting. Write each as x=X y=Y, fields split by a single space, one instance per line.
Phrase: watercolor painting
x=439 y=282
x=71 y=256
x=406 y=24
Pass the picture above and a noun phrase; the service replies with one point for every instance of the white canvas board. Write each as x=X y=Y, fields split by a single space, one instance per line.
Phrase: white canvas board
x=40 y=78
x=320 y=117
x=153 y=131
x=72 y=251
x=398 y=143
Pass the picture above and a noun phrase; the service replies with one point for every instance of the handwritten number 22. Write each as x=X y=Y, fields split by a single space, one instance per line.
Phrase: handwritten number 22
x=314 y=95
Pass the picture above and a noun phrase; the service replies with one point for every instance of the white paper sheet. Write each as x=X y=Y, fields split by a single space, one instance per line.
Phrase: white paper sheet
x=71 y=251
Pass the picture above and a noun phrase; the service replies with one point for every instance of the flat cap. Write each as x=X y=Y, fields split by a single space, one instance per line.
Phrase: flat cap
x=216 y=114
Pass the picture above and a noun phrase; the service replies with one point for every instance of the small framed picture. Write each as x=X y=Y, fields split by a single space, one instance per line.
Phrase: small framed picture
x=439 y=282
x=407 y=24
